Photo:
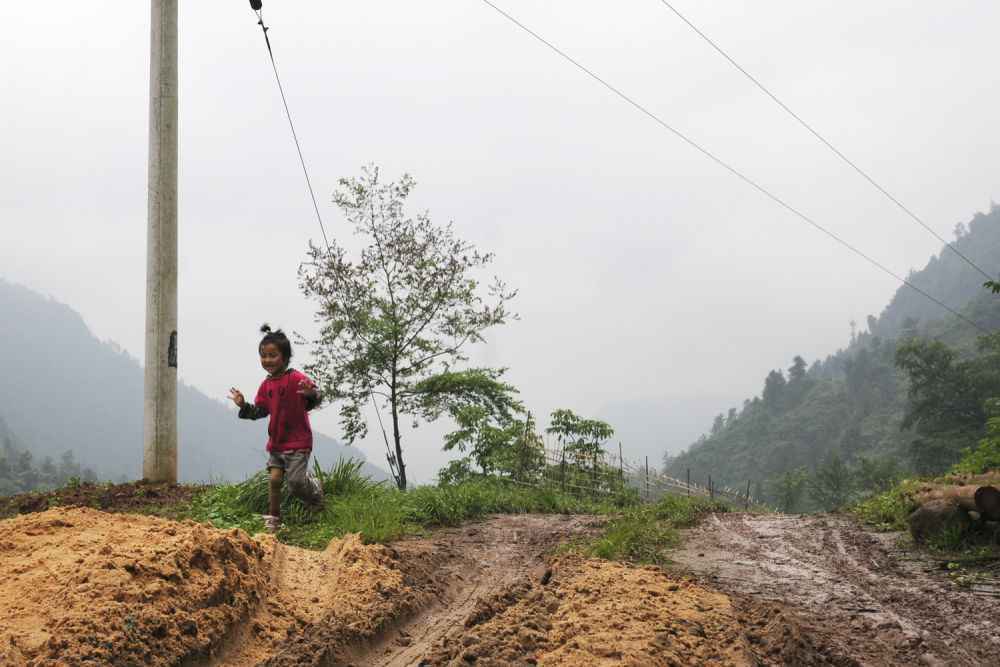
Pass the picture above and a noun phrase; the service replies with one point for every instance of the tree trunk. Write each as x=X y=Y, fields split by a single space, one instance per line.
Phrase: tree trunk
x=982 y=499
x=401 y=467
x=963 y=496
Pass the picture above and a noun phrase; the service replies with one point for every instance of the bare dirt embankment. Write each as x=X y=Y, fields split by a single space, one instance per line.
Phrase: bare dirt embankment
x=854 y=595
x=84 y=587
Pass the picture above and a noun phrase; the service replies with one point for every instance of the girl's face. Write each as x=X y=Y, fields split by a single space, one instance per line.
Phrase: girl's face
x=271 y=359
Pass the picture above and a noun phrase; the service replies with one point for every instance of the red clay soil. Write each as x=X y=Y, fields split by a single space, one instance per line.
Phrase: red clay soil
x=450 y=571
x=594 y=612
x=84 y=587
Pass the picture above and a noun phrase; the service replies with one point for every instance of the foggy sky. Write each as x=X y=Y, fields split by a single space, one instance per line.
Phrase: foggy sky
x=647 y=275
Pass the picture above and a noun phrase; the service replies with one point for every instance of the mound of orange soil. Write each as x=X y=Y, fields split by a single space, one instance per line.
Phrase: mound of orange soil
x=594 y=612
x=317 y=603
x=84 y=587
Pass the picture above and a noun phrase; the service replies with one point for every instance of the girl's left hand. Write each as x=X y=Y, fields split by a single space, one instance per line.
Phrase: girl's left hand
x=307 y=388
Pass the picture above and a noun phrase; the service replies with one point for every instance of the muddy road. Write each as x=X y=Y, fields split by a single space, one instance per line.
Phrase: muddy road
x=859 y=596
x=745 y=591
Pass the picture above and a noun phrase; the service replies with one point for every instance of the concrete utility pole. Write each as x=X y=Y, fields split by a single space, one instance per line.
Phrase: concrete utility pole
x=159 y=461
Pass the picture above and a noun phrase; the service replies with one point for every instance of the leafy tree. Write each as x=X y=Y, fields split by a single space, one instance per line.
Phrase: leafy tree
x=482 y=407
x=68 y=467
x=400 y=313
x=831 y=484
x=24 y=461
x=797 y=371
x=947 y=398
x=876 y=475
x=788 y=489
x=525 y=459
x=718 y=425
x=774 y=388
x=582 y=439
x=985 y=456
x=456 y=472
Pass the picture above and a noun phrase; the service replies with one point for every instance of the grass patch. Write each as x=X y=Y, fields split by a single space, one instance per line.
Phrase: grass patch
x=888 y=510
x=645 y=534
x=379 y=512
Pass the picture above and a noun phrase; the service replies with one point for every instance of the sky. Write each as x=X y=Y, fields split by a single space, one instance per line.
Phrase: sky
x=655 y=288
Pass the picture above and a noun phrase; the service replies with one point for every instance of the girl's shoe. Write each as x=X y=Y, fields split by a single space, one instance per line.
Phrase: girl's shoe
x=271 y=523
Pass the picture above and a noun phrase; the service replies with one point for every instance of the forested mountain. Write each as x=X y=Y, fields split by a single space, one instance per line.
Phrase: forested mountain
x=64 y=390
x=877 y=408
x=20 y=471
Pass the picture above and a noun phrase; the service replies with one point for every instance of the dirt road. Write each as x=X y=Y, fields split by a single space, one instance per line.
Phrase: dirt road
x=858 y=596
x=748 y=590
x=457 y=569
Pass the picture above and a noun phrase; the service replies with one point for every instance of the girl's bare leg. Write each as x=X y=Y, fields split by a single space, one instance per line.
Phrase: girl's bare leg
x=274 y=491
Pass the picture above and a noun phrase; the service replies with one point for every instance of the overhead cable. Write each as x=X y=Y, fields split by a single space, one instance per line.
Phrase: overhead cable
x=824 y=141
x=256 y=6
x=732 y=170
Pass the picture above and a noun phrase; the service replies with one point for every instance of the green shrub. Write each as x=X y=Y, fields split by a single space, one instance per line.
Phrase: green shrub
x=636 y=536
x=888 y=510
x=984 y=456
x=646 y=533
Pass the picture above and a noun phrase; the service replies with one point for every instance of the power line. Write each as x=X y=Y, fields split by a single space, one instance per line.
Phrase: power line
x=312 y=195
x=291 y=125
x=823 y=139
x=725 y=165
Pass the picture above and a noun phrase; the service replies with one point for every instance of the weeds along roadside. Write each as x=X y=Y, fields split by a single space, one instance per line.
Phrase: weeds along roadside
x=381 y=513
x=645 y=534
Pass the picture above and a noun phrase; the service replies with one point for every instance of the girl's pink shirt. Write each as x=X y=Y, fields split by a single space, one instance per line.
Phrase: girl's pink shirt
x=288 y=428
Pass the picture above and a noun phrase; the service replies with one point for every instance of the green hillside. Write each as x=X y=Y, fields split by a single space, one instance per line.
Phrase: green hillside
x=882 y=406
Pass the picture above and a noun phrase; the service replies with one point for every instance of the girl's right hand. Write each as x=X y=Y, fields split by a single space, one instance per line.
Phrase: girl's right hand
x=236 y=396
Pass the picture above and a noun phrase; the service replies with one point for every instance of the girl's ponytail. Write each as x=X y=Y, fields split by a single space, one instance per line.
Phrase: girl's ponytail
x=277 y=338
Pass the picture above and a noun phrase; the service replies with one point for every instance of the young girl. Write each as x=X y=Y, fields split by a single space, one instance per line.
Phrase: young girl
x=286 y=395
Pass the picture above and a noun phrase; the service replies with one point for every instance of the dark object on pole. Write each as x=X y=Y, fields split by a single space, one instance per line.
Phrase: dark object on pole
x=255 y=5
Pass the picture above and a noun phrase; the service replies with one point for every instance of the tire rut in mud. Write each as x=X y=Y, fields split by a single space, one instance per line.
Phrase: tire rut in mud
x=451 y=572
x=854 y=594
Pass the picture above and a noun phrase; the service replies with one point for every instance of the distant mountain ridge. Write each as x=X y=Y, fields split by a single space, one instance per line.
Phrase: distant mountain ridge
x=851 y=404
x=63 y=389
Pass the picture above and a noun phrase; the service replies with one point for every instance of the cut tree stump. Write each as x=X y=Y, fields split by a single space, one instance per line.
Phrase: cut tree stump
x=938 y=516
x=987 y=499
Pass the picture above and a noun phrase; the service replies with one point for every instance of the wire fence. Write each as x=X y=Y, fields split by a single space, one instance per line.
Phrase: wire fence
x=604 y=473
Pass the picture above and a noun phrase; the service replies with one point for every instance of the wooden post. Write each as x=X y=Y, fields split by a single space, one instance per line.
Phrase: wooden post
x=562 y=469
x=711 y=489
x=689 y=482
x=594 y=480
x=621 y=466
x=647 y=477
x=748 y=495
